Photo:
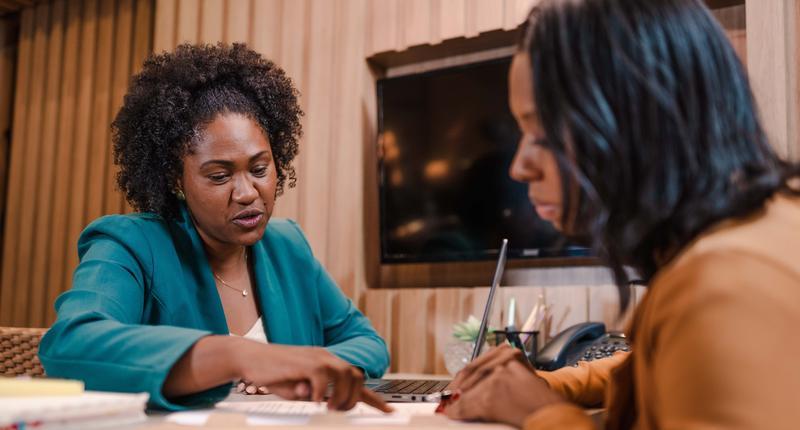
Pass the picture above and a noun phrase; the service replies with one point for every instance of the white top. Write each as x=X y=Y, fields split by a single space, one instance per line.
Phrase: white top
x=256 y=332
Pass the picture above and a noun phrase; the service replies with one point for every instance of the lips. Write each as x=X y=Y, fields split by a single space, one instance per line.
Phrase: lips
x=546 y=211
x=248 y=218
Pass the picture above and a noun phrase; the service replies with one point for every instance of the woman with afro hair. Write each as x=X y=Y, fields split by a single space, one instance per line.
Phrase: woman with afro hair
x=200 y=287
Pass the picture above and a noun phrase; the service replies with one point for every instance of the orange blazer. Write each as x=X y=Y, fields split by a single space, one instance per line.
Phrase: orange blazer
x=716 y=340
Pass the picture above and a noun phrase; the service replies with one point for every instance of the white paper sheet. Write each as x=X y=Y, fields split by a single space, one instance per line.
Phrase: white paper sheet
x=292 y=413
x=286 y=407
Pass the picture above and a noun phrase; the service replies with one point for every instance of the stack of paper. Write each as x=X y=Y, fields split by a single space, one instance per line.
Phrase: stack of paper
x=65 y=412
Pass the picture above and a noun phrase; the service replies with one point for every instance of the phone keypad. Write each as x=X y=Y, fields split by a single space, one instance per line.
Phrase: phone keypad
x=603 y=347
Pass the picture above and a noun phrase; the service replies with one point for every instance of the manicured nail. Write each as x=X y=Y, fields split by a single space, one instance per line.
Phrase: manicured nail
x=456 y=396
x=251 y=389
x=439 y=409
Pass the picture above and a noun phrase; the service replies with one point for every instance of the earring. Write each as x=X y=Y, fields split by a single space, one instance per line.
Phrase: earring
x=179 y=194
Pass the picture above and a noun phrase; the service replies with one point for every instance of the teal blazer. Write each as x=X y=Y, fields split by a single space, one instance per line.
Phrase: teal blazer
x=144 y=293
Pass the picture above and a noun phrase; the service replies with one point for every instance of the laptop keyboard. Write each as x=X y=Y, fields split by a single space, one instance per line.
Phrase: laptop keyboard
x=405 y=386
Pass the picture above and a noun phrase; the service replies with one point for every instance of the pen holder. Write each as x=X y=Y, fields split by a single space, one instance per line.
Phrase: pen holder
x=525 y=340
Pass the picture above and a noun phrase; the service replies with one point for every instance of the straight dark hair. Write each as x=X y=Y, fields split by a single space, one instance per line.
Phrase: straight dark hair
x=651 y=117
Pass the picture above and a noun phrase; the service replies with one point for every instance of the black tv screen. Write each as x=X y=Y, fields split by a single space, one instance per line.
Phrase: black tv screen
x=446 y=142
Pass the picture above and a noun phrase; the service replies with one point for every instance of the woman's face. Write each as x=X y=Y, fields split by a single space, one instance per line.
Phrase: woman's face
x=533 y=163
x=229 y=180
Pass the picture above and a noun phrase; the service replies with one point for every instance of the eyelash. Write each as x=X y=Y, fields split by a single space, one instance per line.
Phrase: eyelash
x=258 y=172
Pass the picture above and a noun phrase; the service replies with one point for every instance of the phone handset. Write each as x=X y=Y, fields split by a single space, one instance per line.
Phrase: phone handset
x=564 y=347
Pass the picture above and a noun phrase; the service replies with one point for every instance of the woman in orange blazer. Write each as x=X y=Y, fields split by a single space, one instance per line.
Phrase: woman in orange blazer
x=640 y=132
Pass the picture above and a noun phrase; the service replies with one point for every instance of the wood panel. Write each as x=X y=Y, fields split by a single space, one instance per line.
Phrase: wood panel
x=12 y=216
x=418 y=323
x=9 y=38
x=772 y=64
x=60 y=245
x=188 y=20
x=397 y=25
x=212 y=20
x=166 y=26
x=74 y=62
x=322 y=112
x=294 y=40
x=30 y=175
x=46 y=166
x=343 y=226
x=237 y=21
x=452 y=18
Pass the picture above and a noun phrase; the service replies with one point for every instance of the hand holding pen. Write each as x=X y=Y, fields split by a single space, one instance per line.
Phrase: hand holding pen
x=508 y=393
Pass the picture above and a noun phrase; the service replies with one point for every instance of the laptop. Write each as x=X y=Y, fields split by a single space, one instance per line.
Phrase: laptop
x=420 y=390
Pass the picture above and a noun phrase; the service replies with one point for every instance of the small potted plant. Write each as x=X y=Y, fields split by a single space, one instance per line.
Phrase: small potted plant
x=458 y=352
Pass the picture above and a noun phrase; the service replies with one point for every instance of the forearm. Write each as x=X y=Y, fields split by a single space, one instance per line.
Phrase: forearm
x=367 y=352
x=210 y=362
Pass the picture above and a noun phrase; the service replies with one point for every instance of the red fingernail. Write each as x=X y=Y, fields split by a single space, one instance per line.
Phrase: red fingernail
x=439 y=409
x=456 y=396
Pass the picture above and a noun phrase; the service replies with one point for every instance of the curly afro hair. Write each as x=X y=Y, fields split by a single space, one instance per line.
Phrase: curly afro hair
x=176 y=95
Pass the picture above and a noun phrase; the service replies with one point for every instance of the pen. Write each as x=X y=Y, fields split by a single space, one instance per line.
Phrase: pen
x=444 y=397
x=513 y=337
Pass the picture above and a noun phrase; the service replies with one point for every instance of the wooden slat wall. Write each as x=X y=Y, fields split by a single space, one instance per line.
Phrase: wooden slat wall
x=8 y=54
x=772 y=58
x=417 y=323
x=75 y=58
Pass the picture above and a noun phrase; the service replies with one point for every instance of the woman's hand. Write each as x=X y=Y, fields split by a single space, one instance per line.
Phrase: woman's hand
x=303 y=373
x=482 y=366
x=508 y=393
x=292 y=372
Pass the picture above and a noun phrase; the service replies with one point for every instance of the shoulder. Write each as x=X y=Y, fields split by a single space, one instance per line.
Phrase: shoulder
x=135 y=231
x=770 y=235
x=126 y=225
x=741 y=265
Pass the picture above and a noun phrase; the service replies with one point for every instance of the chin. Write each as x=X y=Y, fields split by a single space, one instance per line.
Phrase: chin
x=250 y=238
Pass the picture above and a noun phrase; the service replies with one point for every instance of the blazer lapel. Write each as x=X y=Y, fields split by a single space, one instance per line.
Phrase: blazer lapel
x=274 y=311
x=195 y=266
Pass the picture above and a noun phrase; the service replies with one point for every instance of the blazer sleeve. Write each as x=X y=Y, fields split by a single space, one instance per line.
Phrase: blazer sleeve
x=348 y=334
x=585 y=384
x=99 y=336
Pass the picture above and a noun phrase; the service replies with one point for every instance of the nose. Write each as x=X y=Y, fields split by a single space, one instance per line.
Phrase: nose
x=244 y=191
x=525 y=166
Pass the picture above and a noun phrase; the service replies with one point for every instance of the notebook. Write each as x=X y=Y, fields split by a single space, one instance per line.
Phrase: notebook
x=76 y=411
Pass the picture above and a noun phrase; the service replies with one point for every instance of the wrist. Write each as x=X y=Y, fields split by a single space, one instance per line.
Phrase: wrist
x=229 y=351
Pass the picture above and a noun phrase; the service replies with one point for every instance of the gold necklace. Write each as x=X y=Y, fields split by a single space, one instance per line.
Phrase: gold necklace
x=244 y=291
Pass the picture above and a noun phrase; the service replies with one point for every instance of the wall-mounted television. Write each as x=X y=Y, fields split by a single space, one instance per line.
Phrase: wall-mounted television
x=446 y=141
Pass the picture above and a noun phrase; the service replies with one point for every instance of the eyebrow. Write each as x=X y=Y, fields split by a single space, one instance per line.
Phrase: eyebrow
x=228 y=163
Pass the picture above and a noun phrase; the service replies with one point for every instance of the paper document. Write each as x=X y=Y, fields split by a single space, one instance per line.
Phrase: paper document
x=297 y=413
x=286 y=407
